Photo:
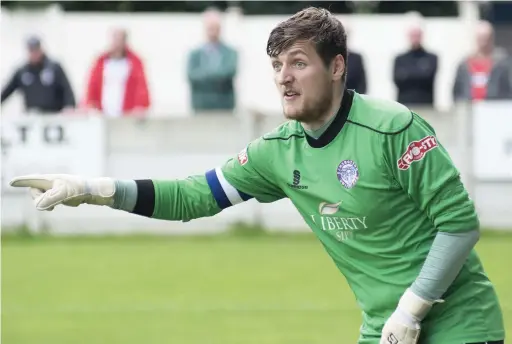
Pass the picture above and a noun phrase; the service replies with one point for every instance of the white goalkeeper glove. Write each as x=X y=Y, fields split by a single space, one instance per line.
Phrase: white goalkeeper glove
x=403 y=326
x=50 y=190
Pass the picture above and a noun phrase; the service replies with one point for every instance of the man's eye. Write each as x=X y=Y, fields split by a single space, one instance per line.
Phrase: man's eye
x=300 y=65
x=276 y=67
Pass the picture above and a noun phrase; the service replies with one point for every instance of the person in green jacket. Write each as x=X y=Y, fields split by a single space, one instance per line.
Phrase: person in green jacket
x=211 y=70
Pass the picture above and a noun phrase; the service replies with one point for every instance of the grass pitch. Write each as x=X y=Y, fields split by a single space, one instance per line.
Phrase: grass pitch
x=215 y=290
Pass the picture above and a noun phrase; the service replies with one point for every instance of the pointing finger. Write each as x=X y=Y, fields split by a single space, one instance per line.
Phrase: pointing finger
x=34 y=181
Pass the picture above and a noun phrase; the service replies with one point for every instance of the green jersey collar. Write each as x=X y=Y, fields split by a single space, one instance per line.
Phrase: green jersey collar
x=337 y=124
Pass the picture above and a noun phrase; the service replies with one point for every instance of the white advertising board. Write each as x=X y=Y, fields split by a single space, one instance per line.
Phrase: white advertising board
x=492 y=141
x=51 y=144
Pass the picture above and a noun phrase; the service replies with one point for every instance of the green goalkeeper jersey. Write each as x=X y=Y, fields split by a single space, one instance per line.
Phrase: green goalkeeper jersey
x=375 y=188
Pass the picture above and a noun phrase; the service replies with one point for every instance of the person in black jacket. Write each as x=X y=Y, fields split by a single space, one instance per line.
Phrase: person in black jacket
x=414 y=71
x=356 y=74
x=44 y=83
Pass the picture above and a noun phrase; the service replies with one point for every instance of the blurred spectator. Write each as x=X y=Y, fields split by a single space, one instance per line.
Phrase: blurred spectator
x=356 y=74
x=44 y=83
x=486 y=74
x=414 y=72
x=117 y=83
x=211 y=69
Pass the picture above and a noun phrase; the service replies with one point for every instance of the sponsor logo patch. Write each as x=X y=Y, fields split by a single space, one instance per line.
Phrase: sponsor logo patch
x=416 y=151
x=242 y=157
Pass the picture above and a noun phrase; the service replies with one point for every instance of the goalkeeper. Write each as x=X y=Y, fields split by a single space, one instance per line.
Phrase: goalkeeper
x=368 y=176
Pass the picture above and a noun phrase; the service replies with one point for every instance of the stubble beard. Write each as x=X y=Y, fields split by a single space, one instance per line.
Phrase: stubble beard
x=313 y=110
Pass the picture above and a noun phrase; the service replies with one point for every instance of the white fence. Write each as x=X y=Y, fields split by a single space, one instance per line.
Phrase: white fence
x=478 y=138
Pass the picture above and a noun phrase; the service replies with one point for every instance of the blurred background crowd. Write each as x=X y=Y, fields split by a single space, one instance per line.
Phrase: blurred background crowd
x=115 y=82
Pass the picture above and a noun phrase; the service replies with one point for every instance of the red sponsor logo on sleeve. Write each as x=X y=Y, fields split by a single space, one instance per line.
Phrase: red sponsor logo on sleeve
x=242 y=157
x=416 y=151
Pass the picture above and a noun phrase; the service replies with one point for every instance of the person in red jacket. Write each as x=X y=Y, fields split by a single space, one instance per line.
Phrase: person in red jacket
x=117 y=84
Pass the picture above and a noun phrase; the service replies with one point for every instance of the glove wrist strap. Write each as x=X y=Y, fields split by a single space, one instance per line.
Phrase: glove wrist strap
x=102 y=190
x=414 y=305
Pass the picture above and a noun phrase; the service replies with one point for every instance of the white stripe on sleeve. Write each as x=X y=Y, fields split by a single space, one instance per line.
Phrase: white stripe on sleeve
x=231 y=192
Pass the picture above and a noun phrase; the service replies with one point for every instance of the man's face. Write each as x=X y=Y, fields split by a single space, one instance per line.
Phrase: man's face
x=212 y=27
x=118 y=42
x=415 y=37
x=304 y=83
x=35 y=55
x=484 y=38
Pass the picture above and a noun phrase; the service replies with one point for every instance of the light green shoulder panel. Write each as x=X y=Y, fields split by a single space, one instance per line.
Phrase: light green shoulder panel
x=385 y=116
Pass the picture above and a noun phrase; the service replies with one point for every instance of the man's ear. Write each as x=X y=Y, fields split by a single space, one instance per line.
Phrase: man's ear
x=338 y=67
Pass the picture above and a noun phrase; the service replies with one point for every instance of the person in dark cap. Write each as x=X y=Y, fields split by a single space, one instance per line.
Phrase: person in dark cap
x=42 y=81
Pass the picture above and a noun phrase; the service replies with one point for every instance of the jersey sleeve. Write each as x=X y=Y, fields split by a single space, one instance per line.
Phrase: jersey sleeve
x=245 y=176
x=422 y=167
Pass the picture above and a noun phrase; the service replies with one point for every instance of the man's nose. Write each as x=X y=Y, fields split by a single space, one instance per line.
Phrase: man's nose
x=285 y=76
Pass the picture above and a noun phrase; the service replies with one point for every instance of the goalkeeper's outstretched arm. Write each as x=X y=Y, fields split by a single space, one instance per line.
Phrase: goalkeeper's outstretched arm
x=248 y=175
x=175 y=200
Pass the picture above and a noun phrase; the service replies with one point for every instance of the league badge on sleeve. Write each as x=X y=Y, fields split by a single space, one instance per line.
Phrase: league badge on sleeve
x=243 y=157
x=347 y=173
x=416 y=151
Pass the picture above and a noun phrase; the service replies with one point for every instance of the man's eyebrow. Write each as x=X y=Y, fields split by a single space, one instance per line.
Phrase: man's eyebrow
x=292 y=53
x=297 y=52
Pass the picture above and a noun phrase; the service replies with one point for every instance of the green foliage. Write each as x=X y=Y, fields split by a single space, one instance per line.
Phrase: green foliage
x=28 y=5
x=121 y=6
x=427 y=8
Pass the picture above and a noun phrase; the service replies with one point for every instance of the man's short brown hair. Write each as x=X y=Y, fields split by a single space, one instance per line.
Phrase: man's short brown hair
x=313 y=24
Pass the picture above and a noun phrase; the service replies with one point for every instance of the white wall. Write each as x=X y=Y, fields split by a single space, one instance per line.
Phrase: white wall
x=168 y=148
x=163 y=41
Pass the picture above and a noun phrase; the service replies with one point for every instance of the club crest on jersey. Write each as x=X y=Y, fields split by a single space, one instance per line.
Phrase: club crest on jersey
x=347 y=173
x=416 y=151
x=242 y=157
